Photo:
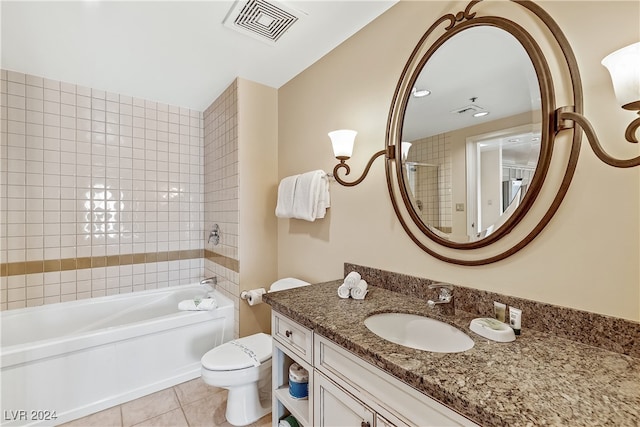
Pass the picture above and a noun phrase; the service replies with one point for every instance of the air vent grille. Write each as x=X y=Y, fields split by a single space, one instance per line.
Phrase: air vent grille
x=467 y=109
x=266 y=20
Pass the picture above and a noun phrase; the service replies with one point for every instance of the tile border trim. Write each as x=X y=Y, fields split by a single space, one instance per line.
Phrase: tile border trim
x=66 y=264
x=222 y=260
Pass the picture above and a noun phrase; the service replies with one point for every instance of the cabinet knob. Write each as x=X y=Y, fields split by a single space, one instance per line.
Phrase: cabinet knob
x=288 y=333
x=365 y=424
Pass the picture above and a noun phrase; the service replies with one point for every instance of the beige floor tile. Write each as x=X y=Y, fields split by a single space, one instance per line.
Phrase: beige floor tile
x=108 y=418
x=174 y=418
x=150 y=406
x=194 y=390
x=208 y=412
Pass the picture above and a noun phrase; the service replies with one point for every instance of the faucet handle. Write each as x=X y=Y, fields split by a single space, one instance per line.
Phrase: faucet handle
x=441 y=286
x=446 y=291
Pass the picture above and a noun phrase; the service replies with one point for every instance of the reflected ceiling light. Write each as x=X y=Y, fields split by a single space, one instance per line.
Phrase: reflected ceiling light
x=419 y=93
x=624 y=67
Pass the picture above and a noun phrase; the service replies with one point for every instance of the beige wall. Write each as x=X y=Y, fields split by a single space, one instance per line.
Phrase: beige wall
x=258 y=170
x=587 y=257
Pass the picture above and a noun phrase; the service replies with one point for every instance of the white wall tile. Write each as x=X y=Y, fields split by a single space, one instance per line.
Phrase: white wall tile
x=64 y=142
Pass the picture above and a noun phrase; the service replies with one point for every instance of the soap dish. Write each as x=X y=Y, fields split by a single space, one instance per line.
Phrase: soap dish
x=492 y=329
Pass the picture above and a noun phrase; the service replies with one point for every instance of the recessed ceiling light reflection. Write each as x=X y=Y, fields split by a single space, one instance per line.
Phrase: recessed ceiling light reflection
x=420 y=93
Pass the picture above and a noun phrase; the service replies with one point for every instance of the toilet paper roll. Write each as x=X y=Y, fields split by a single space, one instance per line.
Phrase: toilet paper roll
x=254 y=296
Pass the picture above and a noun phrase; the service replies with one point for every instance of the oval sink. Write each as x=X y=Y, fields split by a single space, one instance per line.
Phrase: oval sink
x=419 y=332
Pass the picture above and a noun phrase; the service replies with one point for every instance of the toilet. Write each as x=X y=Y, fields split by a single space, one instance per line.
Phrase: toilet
x=243 y=366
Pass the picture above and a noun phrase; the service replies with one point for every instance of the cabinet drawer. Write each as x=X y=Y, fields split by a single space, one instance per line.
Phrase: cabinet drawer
x=293 y=336
x=384 y=393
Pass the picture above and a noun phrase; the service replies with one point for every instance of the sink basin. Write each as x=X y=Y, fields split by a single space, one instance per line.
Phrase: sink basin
x=419 y=332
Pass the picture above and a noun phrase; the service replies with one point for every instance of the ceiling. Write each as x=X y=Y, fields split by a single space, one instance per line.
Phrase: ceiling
x=174 y=52
x=484 y=68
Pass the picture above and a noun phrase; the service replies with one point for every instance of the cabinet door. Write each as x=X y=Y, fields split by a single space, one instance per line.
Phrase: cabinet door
x=382 y=422
x=333 y=407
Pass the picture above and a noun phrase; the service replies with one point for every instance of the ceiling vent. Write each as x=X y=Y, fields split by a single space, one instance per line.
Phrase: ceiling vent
x=467 y=109
x=265 y=21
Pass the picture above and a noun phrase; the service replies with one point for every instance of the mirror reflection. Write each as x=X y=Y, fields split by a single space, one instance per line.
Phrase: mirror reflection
x=471 y=134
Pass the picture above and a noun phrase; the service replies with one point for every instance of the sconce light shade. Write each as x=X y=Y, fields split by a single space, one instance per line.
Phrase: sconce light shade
x=342 y=141
x=624 y=67
x=404 y=148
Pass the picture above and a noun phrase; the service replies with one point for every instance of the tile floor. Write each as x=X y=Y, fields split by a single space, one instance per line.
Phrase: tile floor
x=190 y=404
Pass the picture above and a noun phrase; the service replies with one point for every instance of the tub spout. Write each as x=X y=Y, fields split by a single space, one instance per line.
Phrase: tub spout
x=209 y=284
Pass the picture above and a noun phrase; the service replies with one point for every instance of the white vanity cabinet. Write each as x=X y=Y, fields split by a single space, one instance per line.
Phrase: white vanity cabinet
x=344 y=390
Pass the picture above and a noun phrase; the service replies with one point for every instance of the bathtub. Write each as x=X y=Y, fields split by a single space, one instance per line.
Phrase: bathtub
x=64 y=361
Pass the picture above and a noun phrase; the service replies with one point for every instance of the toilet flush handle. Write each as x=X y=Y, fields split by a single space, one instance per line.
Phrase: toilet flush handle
x=288 y=333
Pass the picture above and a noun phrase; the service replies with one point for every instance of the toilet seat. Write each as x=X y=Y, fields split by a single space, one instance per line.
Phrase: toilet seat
x=239 y=354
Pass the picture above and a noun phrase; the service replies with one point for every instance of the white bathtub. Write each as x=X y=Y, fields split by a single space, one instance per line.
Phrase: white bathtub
x=80 y=357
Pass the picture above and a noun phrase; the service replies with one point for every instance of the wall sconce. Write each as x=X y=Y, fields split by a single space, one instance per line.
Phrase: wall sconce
x=624 y=67
x=342 y=141
x=404 y=149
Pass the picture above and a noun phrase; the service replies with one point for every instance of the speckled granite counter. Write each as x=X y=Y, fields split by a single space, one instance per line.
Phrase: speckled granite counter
x=539 y=379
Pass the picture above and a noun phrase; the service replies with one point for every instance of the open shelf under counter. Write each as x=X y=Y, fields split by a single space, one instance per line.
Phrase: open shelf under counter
x=299 y=408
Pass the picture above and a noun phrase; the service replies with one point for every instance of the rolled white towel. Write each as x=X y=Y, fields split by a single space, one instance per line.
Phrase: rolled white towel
x=344 y=291
x=187 y=305
x=207 y=304
x=352 y=279
x=197 y=304
x=360 y=290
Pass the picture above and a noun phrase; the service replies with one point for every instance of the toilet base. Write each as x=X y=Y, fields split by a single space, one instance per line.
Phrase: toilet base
x=243 y=405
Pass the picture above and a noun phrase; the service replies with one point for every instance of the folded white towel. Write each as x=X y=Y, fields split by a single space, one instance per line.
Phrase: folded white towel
x=198 y=304
x=286 y=190
x=304 y=196
x=344 y=291
x=360 y=290
x=307 y=195
x=352 y=279
x=324 y=199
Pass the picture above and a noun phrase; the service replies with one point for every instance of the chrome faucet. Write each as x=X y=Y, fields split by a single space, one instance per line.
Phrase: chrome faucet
x=445 y=298
x=209 y=283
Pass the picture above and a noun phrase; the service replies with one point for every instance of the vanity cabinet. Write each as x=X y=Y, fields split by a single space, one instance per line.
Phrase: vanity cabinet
x=344 y=390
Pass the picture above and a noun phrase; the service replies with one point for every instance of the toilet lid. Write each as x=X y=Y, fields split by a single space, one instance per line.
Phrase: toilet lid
x=239 y=354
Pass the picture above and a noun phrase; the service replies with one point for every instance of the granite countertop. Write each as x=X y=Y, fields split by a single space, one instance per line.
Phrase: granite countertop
x=539 y=379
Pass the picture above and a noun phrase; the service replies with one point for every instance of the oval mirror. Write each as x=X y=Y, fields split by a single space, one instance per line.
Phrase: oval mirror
x=472 y=129
x=471 y=134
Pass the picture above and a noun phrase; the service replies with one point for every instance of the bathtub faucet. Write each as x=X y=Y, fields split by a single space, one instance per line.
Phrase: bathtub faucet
x=209 y=283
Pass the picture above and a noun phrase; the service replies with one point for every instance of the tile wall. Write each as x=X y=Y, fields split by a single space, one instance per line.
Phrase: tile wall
x=100 y=193
x=433 y=184
x=221 y=196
